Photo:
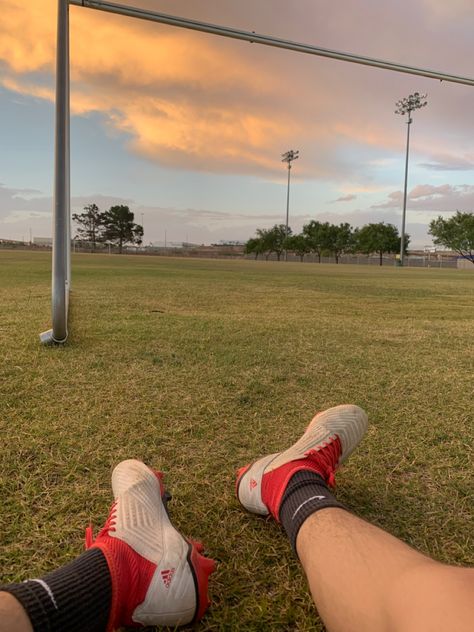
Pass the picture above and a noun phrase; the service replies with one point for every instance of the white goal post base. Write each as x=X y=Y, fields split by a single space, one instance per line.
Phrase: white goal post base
x=47 y=339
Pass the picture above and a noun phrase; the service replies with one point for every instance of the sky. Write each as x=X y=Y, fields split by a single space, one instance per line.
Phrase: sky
x=188 y=128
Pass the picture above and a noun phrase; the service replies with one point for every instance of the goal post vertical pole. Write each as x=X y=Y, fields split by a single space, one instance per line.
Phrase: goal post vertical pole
x=61 y=273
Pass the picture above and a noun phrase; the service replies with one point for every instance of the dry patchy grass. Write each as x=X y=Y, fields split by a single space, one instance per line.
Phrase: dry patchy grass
x=196 y=367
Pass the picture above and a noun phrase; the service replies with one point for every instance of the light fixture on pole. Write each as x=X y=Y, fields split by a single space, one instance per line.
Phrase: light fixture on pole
x=407 y=105
x=288 y=157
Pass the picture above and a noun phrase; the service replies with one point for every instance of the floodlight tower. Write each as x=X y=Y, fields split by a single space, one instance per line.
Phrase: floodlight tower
x=288 y=157
x=407 y=105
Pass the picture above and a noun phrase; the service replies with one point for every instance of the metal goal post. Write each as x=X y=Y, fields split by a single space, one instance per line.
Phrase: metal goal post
x=61 y=269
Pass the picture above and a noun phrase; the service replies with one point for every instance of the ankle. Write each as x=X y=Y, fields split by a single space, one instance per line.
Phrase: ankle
x=322 y=462
x=306 y=494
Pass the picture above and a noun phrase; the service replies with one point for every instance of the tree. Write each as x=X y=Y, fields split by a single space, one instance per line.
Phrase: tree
x=273 y=239
x=264 y=239
x=405 y=244
x=90 y=224
x=299 y=244
x=277 y=237
x=254 y=246
x=340 y=239
x=120 y=228
x=456 y=233
x=379 y=238
x=268 y=240
x=318 y=237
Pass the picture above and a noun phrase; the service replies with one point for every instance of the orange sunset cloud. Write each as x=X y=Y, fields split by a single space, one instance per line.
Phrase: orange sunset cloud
x=195 y=101
x=184 y=99
x=176 y=94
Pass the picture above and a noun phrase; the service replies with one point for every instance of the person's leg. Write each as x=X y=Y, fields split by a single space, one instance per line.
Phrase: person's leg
x=361 y=578
x=13 y=616
x=138 y=571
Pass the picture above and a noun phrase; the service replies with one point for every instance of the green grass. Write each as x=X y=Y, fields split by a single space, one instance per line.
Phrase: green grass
x=196 y=367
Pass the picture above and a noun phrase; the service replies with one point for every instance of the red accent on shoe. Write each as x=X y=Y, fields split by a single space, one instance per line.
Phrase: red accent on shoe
x=130 y=575
x=160 y=476
x=240 y=472
x=89 y=537
x=203 y=567
x=323 y=461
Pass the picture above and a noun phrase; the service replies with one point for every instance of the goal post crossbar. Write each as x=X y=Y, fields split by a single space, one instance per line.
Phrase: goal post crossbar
x=61 y=274
x=266 y=40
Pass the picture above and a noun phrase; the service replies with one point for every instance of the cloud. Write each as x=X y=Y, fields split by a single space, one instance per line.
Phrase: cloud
x=427 y=197
x=200 y=102
x=24 y=209
x=21 y=209
x=20 y=212
x=440 y=9
x=430 y=192
x=345 y=198
x=179 y=98
x=203 y=103
x=449 y=163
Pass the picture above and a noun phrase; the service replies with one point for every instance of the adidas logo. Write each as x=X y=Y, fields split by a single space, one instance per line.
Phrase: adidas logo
x=167 y=576
x=253 y=483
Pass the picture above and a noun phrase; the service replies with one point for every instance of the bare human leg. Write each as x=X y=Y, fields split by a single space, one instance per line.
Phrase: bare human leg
x=12 y=615
x=363 y=578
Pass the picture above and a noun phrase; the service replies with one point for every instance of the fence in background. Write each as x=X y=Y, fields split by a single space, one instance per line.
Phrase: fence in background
x=429 y=260
x=410 y=261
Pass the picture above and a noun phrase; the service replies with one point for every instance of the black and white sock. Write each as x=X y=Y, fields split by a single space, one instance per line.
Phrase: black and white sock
x=305 y=494
x=75 y=597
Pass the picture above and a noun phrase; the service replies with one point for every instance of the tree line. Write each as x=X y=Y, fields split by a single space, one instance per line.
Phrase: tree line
x=327 y=239
x=115 y=226
x=455 y=233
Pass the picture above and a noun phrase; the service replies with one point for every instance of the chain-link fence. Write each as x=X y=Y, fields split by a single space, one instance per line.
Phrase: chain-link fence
x=429 y=260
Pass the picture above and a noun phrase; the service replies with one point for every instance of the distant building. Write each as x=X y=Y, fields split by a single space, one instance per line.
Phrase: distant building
x=229 y=242
x=43 y=241
x=167 y=244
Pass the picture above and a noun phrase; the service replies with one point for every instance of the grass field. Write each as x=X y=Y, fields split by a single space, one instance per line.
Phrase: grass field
x=196 y=367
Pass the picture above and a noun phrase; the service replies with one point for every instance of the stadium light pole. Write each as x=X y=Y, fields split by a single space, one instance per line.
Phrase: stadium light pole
x=288 y=157
x=407 y=105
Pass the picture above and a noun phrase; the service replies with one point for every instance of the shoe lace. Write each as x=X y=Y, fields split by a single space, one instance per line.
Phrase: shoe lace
x=106 y=529
x=327 y=458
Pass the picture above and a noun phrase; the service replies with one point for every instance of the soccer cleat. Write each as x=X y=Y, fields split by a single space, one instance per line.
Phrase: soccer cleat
x=329 y=439
x=158 y=577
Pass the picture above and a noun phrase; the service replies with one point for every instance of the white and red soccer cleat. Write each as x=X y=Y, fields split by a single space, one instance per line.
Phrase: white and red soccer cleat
x=158 y=576
x=329 y=439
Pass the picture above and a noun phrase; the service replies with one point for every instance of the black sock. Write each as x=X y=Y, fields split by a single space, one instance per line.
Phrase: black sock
x=305 y=493
x=75 y=597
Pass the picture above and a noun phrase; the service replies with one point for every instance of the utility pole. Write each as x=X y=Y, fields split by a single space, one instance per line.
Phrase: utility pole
x=288 y=157
x=407 y=105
